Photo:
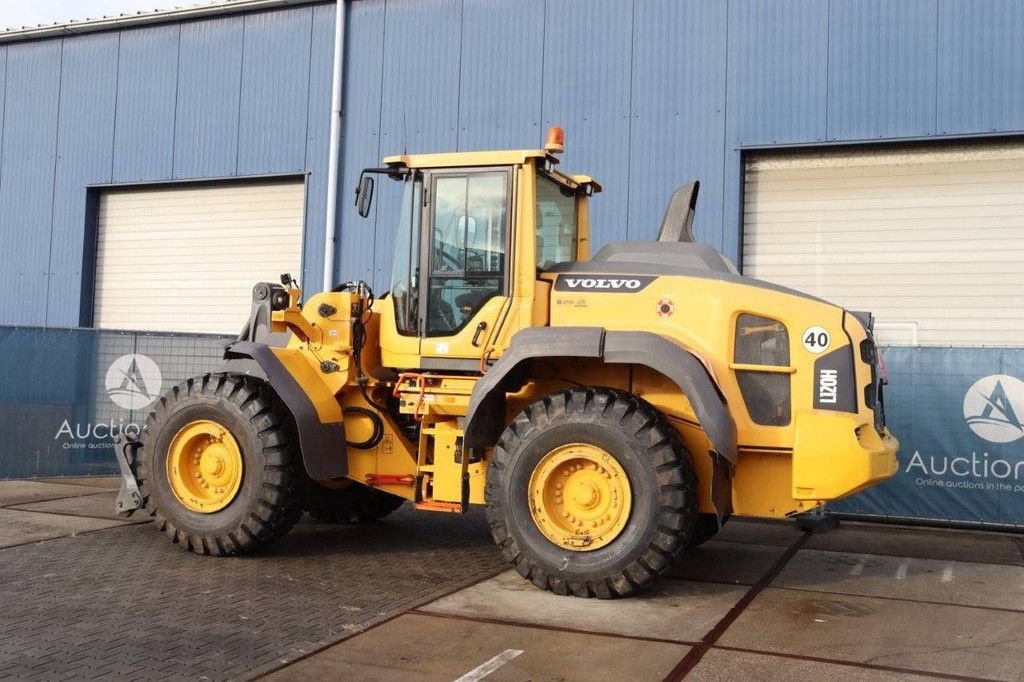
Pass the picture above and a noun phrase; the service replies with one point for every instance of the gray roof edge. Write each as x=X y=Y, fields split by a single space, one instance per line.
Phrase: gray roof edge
x=160 y=16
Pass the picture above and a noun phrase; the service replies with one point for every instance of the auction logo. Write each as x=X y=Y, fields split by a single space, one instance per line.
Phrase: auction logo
x=133 y=381
x=992 y=406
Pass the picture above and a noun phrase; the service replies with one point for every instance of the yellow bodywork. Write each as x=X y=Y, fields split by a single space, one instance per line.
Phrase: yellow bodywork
x=819 y=455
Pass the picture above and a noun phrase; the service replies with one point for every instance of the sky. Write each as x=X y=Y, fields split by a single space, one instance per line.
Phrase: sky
x=18 y=13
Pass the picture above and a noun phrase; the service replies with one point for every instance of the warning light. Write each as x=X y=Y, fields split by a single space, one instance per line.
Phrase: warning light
x=556 y=140
x=666 y=307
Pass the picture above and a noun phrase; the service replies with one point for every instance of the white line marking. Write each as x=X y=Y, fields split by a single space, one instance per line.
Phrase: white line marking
x=488 y=667
x=901 y=572
x=947 y=573
x=858 y=567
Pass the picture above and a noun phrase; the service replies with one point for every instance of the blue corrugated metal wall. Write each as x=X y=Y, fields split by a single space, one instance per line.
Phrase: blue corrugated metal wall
x=224 y=97
x=652 y=93
x=27 y=171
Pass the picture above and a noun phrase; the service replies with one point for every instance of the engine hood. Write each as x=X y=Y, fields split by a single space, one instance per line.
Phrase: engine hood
x=681 y=259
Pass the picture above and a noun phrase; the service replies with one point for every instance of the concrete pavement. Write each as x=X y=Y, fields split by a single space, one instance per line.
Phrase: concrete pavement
x=85 y=594
x=425 y=597
x=762 y=601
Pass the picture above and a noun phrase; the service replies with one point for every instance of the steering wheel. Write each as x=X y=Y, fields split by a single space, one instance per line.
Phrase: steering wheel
x=474 y=262
x=439 y=249
x=449 y=318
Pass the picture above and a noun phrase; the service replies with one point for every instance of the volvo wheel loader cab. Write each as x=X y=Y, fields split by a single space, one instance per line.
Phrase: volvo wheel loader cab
x=610 y=410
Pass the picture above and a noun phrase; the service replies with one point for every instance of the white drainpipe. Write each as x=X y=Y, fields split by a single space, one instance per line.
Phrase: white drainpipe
x=333 y=160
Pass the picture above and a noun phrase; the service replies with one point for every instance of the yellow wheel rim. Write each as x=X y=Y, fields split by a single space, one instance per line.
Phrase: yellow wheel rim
x=204 y=466
x=580 y=497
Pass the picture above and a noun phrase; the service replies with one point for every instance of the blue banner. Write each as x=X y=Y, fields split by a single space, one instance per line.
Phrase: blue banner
x=957 y=413
x=65 y=394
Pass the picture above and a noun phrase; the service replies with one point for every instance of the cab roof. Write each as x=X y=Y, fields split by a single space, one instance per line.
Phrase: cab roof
x=509 y=157
x=457 y=159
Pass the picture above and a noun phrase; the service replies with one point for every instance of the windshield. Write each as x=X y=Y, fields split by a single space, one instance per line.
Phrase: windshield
x=556 y=223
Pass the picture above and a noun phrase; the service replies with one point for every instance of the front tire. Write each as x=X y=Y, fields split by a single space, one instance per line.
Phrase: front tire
x=218 y=466
x=591 y=493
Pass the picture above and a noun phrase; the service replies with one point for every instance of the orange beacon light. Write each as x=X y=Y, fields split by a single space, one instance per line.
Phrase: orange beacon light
x=555 y=142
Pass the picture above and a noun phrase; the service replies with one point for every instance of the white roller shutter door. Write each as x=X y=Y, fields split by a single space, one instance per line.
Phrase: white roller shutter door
x=929 y=238
x=184 y=258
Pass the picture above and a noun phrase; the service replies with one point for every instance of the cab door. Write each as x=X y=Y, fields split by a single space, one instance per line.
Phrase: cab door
x=465 y=248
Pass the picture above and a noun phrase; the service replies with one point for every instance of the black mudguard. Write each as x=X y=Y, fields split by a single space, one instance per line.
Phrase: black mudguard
x=485 y=418
x=688 y=373
x=324 y=453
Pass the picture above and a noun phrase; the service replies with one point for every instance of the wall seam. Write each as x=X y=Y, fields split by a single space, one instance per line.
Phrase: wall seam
x=117 y=94
x=543 y=56
x=241 y=83
x=309 y=89
x=307 y=195
x=3 y=110
x=3 y=114
x=725 y=149
x=380 y=134
x=174 y=119
x=629 y=112
x=458 y=88
x=935 y=113
x=53 y=182
x=828 y=63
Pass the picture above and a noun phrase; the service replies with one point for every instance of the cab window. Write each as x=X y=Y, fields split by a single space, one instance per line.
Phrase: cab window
x=467 y=254
x=556 y=224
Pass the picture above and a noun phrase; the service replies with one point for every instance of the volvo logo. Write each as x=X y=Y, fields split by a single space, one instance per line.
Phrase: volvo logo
x=992 y=408
x=618 y=284
x=133 y=381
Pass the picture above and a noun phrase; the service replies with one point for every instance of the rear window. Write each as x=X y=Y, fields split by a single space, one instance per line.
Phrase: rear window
x=556 y=224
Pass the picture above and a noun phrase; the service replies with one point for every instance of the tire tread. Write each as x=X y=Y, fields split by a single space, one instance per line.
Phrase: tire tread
x=279 y=460
x=676 y=481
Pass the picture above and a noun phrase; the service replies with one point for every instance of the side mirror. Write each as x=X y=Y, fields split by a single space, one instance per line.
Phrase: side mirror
x=364 y=195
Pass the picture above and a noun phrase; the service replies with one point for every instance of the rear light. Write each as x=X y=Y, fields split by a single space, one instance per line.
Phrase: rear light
x=871 y=355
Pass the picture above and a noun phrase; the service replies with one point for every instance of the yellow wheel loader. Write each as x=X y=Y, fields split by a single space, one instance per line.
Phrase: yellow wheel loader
x=609 y=410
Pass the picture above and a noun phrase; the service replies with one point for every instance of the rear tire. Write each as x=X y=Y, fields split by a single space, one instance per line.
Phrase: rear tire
x=266 y=504
x=661 y=488
x=352 y=504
